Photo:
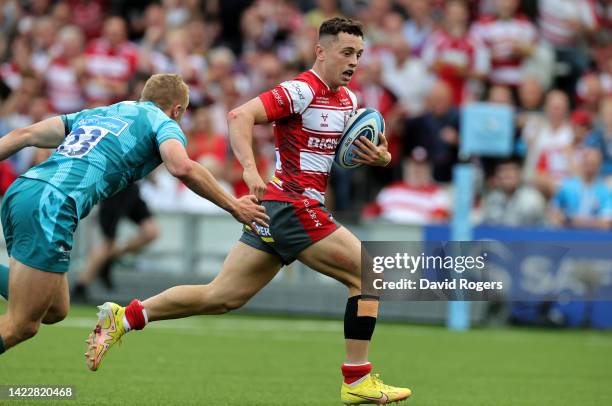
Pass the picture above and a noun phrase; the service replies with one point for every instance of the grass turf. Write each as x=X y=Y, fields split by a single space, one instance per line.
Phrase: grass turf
x=248 y=360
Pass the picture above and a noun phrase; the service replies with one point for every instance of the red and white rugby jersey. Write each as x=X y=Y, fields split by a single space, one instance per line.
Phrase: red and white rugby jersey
x=451 y=56
x=309 y=118
x=63 y=88
x=109 y=63
x=558 y=18
x=408 y=204
x=499 y=37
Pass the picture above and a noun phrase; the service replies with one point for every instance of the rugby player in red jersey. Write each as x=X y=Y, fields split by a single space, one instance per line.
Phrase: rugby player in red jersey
x=309 y=114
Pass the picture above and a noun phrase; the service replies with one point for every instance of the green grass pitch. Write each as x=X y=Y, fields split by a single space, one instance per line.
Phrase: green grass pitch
x=251 y=360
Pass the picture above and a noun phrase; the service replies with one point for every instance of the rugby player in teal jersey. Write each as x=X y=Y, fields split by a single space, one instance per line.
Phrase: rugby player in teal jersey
x=98 y=153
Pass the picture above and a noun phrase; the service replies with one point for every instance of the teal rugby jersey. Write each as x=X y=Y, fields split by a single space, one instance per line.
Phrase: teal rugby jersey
x=106 y=149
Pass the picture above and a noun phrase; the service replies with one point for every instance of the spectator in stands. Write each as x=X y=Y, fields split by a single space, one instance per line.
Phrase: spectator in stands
x=371 y=91
x=89 y=15
x=400 y=67
x=324 y=10
x=20 y=64
x=437 y=130
x=547 y=141
x=512 y=202
x=178 y=56
x=62 y=14
x=206 y=147
x=589 y=92
x=44 y=39
x=601 y=138
x=154 y=30
x=530 y=100
x=417 y=199
x=419 y=25
x=110 y=61
x=65 y=75
x=454 y=55
x=584 y=201
x=500 y=95
x=566 y=24
x=510 y=38
x=553 y=168
x=373 y=18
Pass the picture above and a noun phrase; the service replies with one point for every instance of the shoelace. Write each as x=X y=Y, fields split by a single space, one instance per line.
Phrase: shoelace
x=376 y=379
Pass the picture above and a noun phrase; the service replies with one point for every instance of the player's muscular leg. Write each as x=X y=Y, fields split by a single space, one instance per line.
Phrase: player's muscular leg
x=61 y=304
x=32 y=293
x=339 y=256
x=245 y=272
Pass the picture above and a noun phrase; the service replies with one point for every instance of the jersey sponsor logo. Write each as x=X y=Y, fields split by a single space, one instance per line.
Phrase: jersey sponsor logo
x=322 y=143
x=298 y=90
x=262 y=231
x=112 y=125
x=278 y=97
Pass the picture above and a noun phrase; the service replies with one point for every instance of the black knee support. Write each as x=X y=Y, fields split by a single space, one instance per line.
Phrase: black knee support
x=360 y=317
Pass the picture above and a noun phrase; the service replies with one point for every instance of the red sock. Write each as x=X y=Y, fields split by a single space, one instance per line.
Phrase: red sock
x=134 y=314
x=354 y=373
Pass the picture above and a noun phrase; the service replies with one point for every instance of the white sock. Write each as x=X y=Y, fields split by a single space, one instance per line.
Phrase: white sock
x=358 y=381
x=126 y=325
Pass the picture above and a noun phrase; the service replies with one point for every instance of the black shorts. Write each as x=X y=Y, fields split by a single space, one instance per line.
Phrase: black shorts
x=294 y=226
x=126 y=203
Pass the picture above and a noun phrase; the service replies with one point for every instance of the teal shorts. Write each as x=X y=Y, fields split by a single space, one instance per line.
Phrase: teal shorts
x=294 y=226
x=38 y=223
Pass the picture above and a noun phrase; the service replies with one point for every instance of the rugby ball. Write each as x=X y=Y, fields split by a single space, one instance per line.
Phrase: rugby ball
x=367 y=122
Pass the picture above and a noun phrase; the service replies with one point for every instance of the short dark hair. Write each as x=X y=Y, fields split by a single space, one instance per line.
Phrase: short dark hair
x=336 y=25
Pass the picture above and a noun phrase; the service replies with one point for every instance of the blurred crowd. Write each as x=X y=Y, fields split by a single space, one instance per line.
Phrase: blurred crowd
x=549 y=60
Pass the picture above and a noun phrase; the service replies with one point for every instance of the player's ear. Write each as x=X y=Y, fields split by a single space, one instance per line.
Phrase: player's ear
x=320 y=52
x=176 y=112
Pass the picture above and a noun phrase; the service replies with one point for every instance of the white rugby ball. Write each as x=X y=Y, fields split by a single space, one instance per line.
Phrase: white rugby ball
x=367 y=122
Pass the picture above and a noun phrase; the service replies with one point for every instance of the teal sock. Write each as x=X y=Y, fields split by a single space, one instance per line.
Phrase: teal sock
x=4 y=280
x=1 y=345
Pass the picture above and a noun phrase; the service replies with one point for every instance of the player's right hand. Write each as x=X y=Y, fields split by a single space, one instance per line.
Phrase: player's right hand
x=255 y=183
x=249 y=211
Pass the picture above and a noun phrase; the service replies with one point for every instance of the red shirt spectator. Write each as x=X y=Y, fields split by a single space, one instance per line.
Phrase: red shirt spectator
x=110 y=62
x=509 y=38
x=64 y=74
x=453 y=54
x=562 y=21
x=89 y=15
x=415 y=200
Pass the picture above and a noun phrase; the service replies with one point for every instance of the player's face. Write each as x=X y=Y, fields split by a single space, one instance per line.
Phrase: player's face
x=342 y=58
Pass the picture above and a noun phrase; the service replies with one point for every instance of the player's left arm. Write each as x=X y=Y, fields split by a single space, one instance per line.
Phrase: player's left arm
x=370 y=154
x=48 y=133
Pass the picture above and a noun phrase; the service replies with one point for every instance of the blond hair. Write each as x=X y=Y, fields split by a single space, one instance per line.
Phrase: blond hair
x=166 y=90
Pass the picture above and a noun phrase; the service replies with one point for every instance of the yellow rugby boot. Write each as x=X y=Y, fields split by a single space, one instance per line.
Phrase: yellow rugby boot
x=372 y=390
x=109 y=330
